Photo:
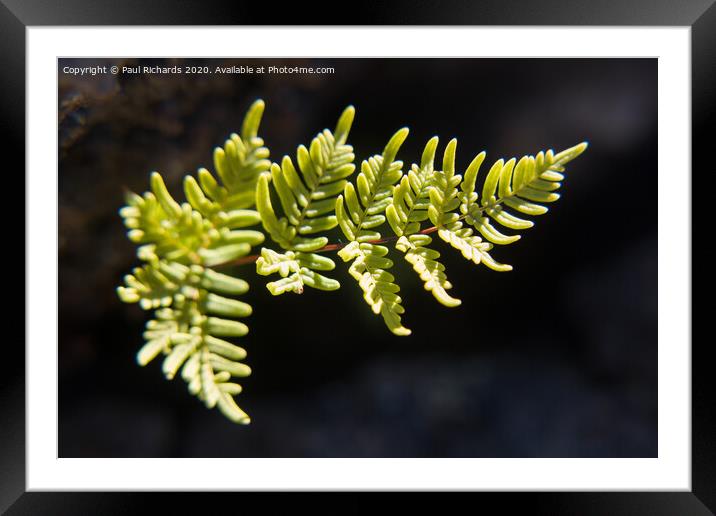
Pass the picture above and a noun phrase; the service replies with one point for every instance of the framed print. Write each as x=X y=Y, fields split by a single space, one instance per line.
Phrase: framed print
x=440 y=257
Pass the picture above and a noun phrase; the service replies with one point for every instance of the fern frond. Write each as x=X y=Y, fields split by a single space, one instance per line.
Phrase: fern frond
x=153 y=286
x=364 y=207
x=378 y=285
x=520 y=185
x=239 y=163
x=444 y=199
x=296 y=269
x=182 y=234
x=180 y=243
x=425 y=263
x=524 y=186
x=363 y=210
x=410 y=197
x=411 y=201
x=186 y=330
x=308 y=204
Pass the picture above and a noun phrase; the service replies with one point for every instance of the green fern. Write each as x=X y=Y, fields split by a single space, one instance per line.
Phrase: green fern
x=361 y=214
x=182 y=244
x=410 y=207
x=308 y=201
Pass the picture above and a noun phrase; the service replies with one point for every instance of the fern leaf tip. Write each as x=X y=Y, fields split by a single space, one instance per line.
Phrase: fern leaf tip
x=568 y=155
x=449 y=301
x=348 y=113
x=399 y=137
x=391 y=149
x=253 y=115
x=580 y=147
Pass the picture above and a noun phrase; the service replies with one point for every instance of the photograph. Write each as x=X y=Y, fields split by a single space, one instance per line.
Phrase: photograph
x=357 y=257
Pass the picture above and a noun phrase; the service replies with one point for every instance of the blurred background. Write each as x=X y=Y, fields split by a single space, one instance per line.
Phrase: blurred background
x=557 y=358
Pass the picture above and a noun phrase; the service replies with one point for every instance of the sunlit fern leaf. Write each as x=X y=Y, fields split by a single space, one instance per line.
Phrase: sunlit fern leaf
x=425 y=263
x=472 y=247
x=444 y=199
x=523 y=186
x=204 y=230
x=238 y=164
x=363 y=210
x=409 y=208
x=365 y=203
x=181 y=234
x=153 y=286
x=307 y=198
x=410 y=197
x=369 y=267
x=188 y=328
x=296 y=270
x=180 y=243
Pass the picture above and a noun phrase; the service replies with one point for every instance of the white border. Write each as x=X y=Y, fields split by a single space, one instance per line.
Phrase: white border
x=670 y=471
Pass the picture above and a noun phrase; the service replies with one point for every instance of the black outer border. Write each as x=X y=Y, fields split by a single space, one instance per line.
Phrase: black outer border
x=16 y=15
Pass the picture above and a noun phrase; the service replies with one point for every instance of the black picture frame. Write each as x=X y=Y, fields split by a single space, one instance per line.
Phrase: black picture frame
x=700 y=15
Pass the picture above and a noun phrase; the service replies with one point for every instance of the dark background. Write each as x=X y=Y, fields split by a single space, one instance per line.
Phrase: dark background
x=555 y=359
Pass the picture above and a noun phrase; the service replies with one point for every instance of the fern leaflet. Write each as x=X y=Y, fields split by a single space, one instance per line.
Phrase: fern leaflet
x=411 y=201
x=180 y=243
x=522 y=186
x=308 y=203
x=444 y=199
x=362 y=212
